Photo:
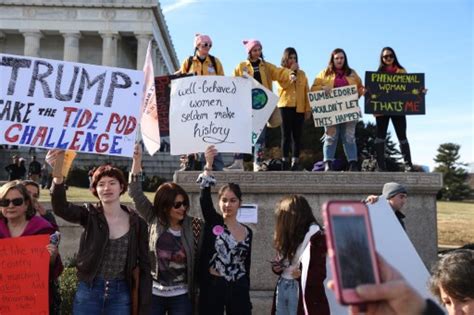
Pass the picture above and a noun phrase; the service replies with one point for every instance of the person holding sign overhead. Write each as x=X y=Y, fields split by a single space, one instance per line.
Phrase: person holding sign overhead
x=294 y=109
x=18 y=218
x=201 y=63
x=224 y=268
x=174 y=240
x=339 y=74
x=113 y=266
x=389 y=64
x=265 y=73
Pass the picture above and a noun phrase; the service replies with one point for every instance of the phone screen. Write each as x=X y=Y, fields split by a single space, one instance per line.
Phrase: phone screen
x=353 y=251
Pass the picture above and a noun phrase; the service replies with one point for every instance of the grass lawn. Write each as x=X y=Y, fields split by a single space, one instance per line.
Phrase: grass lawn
x=455 y=219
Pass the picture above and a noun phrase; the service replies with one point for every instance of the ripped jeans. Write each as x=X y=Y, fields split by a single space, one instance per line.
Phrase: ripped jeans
x=346 y=131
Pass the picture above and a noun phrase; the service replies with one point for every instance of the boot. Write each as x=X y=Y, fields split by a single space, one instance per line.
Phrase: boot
x=405 y=149
x=353 y=166
x=380 y=153
x=285 y=165
x=295 y=165
x=328 y=166
x=236 y=166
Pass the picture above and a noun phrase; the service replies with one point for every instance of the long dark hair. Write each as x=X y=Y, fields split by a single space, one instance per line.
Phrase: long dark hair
x=286 y=55
x=164 y=200
x=331 y=69
x=293 y=219
x=395 y=59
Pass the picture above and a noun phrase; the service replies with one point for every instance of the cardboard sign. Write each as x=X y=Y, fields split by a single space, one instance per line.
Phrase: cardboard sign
x=264 y=102
x=24 y=272
x=210 y=110
x=395 y=94
x=71 y=106
x=336 y=107
x=248 y=213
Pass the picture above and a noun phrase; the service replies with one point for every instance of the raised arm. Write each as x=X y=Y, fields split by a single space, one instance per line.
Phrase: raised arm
x=207 y=206
x=141 y=202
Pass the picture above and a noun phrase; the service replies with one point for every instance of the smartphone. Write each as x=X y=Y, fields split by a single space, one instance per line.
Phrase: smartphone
x=351 y=248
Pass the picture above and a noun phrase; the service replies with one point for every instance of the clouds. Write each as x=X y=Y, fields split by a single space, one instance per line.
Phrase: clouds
x=179 y=4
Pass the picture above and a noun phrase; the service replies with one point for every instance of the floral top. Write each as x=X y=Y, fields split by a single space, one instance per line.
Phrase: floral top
x=229 y=258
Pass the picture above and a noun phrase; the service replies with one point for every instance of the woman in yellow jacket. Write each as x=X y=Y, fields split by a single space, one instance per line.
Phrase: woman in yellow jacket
x=339 y=74
x=201 y=63
x=265 y=73
x=294 y=109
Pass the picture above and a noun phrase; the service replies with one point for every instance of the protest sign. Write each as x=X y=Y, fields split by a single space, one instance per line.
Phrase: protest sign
x=71 y=106
x=210 y=110
x=264 y=102
x=24 y=272
x=394 y=94
x=338 y=106
x=163 y=89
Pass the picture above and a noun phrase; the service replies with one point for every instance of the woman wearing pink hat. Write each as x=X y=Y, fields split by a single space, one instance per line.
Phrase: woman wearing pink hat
x=201 y=63
x=265 y=73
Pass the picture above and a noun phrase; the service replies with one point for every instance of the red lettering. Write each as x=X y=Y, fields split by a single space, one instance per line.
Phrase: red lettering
x=40 y=135
x=69 y=111
x=412 y=107
x=99 y=147
x=85 y=118
x=74 y=145
x=14 y=138
x=131 y=125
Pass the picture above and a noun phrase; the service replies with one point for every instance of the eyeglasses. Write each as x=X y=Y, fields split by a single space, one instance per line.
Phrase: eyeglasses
x=206 y=45
x=181 y=203
x=388 y=56
x=15 y=202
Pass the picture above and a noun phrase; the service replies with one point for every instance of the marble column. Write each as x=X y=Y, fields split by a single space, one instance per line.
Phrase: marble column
x=142 y=44
x=32 y=42
x=71 y=46
x=109 y=49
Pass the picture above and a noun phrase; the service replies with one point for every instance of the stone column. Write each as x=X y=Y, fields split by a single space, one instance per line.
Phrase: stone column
x=32 y=42
x=142 y=44
x=71 y=46
x=109 y=49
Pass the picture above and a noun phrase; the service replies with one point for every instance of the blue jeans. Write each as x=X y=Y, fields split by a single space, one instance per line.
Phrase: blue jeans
x=287 y=297
x=173 y=305
x=260 y=147
x=346 y=131
x=105 y=297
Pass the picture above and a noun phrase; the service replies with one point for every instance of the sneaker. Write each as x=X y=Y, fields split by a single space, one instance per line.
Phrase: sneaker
x=236 y=166
x=295 y=167
x=328 y=166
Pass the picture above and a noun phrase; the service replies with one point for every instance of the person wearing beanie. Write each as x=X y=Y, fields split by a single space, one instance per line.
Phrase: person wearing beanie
x=396 y=195
x=265 y=73
x=338 y=74
x=389 y=64
x=201 y=63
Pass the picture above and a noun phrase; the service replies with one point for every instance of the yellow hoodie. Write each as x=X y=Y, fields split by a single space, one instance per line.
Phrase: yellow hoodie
x=295 y=94
x=268 y=72
x=322 y=80
x=205 y=68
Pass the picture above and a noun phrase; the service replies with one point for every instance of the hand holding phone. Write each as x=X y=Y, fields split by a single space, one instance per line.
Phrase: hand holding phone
x=351 y=248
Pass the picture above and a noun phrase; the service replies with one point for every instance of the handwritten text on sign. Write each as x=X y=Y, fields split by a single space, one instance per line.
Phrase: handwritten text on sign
x=395 y=94
x=210 y=110
x=24 y=271
x=57 y=104
x=338 y=106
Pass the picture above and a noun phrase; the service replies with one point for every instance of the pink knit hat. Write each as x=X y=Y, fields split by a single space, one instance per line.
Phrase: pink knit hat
x=250 y=44
x=201 y=39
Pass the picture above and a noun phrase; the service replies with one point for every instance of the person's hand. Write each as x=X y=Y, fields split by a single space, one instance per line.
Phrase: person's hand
x=38 y=207
x=55 y=158
x=371 y=199
x=394 y=296
x=292 y=77
x=210 y=153
x=362 y=90
x=137 y=159
x=327 y=89
x=53 y=252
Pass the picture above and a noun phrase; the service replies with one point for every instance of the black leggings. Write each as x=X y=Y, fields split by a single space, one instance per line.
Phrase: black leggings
x=400 y=124
x=218 y=294
x=291 y=130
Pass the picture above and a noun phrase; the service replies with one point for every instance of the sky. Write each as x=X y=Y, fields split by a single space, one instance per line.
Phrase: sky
x=434 y=37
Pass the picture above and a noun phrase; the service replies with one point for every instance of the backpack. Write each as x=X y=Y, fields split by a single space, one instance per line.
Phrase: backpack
x=190 y=62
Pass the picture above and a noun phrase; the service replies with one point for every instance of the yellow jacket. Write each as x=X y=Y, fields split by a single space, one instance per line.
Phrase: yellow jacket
x=295 y=94
x=268 y=72
x=205 y=68
x=322 y=80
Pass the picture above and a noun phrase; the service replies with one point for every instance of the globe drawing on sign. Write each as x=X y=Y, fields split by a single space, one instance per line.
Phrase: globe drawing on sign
x=259 y=98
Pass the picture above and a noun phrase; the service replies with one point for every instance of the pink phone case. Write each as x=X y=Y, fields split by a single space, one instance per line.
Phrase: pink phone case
x=335 y=208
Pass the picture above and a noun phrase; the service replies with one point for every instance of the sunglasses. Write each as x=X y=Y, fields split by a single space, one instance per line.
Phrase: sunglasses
x=181 y=203
x=206 y=45
x=15 y=202
x=387 y=56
